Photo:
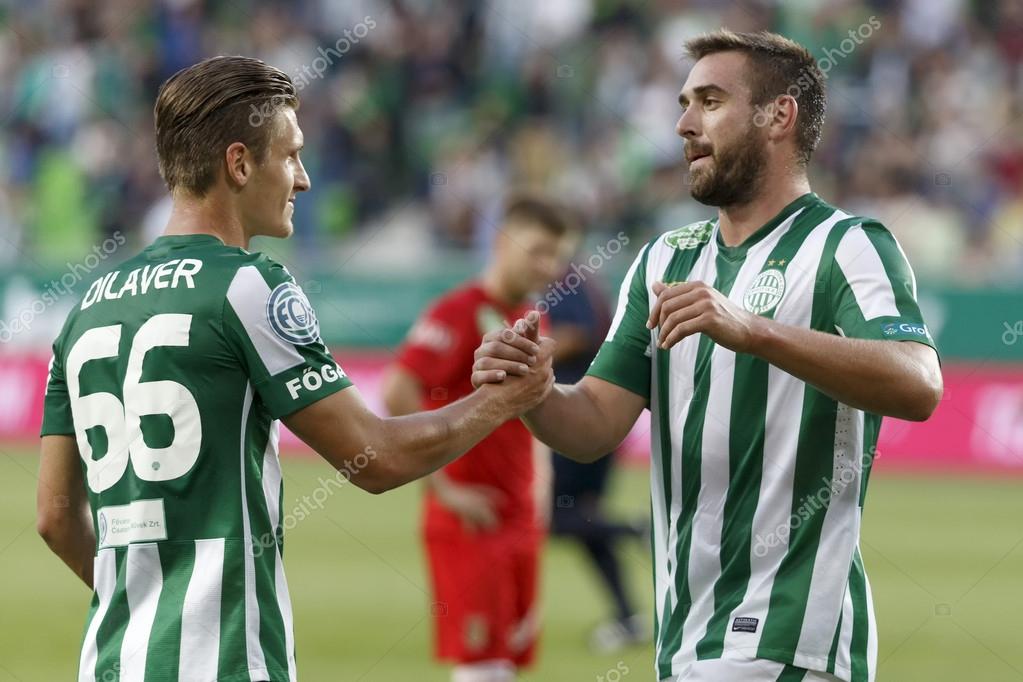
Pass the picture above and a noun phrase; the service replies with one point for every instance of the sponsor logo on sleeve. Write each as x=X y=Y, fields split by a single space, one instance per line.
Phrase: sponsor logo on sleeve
x=312 y=379
x=901 y=328
x=290 y=315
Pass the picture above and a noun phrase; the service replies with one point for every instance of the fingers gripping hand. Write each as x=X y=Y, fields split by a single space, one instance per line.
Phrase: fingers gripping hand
x=507 y=352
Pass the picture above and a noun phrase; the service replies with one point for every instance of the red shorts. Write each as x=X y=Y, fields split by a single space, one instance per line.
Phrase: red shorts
x=485 y=595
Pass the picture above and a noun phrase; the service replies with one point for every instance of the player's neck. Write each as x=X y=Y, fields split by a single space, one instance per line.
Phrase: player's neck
x=738 y=222
x=206 y=216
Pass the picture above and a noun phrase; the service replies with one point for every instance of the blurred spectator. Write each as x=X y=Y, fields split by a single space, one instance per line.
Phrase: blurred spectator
x=428 y=109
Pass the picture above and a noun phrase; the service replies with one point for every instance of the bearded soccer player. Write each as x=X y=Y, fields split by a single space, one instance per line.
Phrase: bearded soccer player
x=768 y=343
x=160 y=484
x=483 y=514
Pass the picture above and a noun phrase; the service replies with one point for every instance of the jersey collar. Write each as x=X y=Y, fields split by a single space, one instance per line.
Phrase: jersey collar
x=738 y=251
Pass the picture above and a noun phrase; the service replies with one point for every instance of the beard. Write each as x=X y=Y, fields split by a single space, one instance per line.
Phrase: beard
x=735 y=174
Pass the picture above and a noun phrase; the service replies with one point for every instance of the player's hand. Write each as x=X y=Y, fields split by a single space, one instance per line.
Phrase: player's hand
x=475 y=505
x=508 y=352
x=519 y=394
x=687 y=308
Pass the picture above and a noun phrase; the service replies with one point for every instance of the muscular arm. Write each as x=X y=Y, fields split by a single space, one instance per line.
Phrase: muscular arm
x=402 y=449
x=899 y=379
x=892 y=378
x=586 y=420
x=63 y=518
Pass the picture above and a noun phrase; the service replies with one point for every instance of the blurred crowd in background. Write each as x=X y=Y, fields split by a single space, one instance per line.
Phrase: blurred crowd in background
x=420 y=114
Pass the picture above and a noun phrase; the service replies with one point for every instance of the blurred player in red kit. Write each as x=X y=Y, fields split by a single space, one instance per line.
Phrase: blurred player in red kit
x=485 y=515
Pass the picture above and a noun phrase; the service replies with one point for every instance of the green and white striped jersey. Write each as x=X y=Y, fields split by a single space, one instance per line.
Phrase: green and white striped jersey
x=758 y=479
x=171 y=373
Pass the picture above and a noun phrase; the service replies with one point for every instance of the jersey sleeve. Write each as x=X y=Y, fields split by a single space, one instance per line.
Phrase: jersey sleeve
x=57 y=419
x=272 y=328
x=431 y=351
x=624 y=357
x=873 y=290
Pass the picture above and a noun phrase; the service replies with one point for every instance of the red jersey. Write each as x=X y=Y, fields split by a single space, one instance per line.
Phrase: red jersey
x=439 y=352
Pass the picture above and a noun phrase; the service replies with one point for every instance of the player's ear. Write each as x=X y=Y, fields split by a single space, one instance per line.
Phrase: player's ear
x=781 y=117
x=238 y=164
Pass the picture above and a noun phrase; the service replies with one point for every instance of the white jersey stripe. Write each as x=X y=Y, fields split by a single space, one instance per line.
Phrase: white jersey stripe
x=248 y=296
x=681 y=390
x=254 y=650
x=863 y=269
x=143 y=583
x=200 y=613
x=623 y=295
x=704 y=554
x=784 y=406
x=284 y=603
x=105 y=580
x=838 y=537
x=843 y=657
x=872 y=631
x=272 y=481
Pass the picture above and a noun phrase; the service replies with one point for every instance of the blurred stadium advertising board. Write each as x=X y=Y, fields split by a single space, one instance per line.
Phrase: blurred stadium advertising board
x=979 y=425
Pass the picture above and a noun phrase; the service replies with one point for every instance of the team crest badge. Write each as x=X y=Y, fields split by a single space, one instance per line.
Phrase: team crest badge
x=291 y=316
x=765 y=293
x=690 y=236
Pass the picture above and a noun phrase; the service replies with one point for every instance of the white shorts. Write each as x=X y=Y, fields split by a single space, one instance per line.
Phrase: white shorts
x=755 y=670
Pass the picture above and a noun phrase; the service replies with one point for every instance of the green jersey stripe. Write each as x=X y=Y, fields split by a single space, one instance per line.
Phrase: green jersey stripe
x=200 y=613
x=677 y=373
x=166 y=631
x=104 y=581
x=832 y=655
x=861 y=621
x=284 y=605
x=253 y=648
x=111 y=630
x=232 y=659
x=782 y=394
x=700 y=490
x=748 y=416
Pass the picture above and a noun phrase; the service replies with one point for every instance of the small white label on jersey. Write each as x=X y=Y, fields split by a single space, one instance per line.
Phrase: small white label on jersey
x=139 y=521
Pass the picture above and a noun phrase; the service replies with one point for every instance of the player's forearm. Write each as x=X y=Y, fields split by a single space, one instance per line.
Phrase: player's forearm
x=572 y=423
x=69 y=535
x=418 y=444
x=882 y=377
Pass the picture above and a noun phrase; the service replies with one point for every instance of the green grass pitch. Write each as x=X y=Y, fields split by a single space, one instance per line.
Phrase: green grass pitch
x=945 y=558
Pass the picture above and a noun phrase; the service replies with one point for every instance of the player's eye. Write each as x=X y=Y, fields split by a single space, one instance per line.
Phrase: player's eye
x=711 y=103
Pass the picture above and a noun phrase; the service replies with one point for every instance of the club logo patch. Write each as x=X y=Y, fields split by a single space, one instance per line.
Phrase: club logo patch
x=690 y=236
x=765 y=292
x=291 y=316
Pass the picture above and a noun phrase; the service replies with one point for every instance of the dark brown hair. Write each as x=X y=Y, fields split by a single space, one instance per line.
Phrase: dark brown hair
x=203 y=109
x=778 y=66
x=525 y=207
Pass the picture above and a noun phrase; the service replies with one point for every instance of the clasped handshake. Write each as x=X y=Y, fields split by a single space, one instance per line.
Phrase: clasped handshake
x=516 y=361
